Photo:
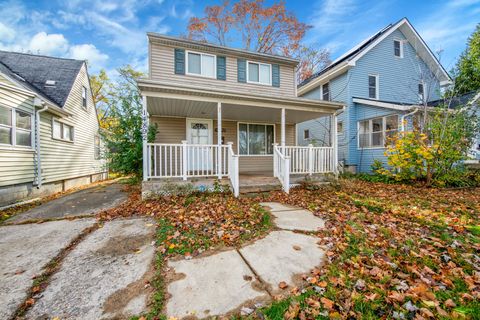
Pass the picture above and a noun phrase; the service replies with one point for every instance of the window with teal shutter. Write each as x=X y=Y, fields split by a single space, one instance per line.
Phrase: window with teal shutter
x=242 y=70
x=221 y=68
x=179 y=61
x=275 y=75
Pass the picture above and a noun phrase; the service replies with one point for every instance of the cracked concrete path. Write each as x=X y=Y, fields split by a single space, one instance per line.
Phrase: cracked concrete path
x=104 y=277
x=84 y=202
x=227 y=281
x=25 y=250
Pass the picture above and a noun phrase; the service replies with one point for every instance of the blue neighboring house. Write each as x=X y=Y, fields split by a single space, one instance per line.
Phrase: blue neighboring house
x=381 y=81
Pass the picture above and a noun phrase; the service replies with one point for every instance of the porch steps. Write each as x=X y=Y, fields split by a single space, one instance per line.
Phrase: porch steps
x=258 y=184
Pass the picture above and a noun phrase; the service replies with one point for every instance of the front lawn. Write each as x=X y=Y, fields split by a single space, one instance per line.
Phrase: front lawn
x=396 y=252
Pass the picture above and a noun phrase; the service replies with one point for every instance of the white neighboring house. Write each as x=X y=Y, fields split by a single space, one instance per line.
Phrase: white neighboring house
x=49 y=129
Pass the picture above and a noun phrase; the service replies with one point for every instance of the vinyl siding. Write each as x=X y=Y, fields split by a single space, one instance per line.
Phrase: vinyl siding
x=162 y=69
x=63 y=160
x=320 y=128
x=173 y=130
x=16 y=164
x=398 y=82
x=366 y=156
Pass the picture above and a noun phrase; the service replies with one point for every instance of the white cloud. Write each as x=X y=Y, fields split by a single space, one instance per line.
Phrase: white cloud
x=48 y=44
x=90 y=53
x=6 y=33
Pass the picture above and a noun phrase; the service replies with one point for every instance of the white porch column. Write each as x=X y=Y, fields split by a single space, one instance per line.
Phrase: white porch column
x=282 y=132
x=219 y=140
x=334 y=143
x=146 y=173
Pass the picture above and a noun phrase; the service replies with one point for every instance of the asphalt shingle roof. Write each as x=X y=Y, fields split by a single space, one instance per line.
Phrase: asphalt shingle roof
x=35 y=70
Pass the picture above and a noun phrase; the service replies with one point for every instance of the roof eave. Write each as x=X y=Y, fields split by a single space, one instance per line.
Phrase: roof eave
x=152 y=36
x=330 y=74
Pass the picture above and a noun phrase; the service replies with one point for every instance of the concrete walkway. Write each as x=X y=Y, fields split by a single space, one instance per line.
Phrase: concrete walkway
x=84 y=202
x=241 y=280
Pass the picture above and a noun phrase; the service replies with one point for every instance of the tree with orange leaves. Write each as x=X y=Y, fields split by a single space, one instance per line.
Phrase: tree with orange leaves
x=258 y=27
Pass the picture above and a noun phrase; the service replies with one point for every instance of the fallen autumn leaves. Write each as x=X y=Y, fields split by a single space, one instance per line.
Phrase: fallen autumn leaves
x=393 y=251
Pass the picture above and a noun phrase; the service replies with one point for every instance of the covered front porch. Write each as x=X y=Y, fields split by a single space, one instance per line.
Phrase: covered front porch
x=229 y=136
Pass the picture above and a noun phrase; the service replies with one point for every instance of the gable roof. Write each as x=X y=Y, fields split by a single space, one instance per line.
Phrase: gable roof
x=350 y=58
x=34 y=70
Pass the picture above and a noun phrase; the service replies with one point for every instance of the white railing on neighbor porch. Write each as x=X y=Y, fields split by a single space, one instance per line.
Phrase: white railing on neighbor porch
x=183 y=160
x=301 y=160
x=310 y=159
x=281 y=168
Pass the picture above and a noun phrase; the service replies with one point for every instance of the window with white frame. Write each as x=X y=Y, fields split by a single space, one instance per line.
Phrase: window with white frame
x=97 y=147
x=201 y=64
x=62 y=131
x=255 y=139
x=421 y=92
x=326 y=91
x=339 y=127
x=377 y=132
x=373 y=86
x=398 y=48
x=306 y=134
x=84 y=97
x=259 y=73
x=15 y=127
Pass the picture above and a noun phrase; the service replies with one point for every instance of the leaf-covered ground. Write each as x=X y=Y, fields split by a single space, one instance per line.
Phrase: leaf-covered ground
x=396 y=252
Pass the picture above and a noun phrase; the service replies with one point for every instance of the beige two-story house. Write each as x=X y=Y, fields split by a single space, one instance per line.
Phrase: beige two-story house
x=226 y=113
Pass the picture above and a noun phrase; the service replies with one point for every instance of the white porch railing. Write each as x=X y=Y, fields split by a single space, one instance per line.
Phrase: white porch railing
x=185 y=161
x=301 y=160
x=281 y=168
x=310 y=159
x=233 y=170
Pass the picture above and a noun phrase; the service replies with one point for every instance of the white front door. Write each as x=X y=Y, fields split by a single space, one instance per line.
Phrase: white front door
x=200 y=132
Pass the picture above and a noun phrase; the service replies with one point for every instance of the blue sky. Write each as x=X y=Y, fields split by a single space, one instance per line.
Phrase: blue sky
x=111 y=33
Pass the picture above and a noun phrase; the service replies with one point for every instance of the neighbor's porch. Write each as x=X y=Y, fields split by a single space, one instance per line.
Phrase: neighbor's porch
x=239 y=138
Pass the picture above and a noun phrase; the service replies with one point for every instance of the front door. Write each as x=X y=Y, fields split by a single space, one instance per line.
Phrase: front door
x=200 y=132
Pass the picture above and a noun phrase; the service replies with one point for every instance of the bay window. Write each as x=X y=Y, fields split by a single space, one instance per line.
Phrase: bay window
x=15 y=127
x=259 y=73
x=201 y=64
x=377 y=132
x=255 y=139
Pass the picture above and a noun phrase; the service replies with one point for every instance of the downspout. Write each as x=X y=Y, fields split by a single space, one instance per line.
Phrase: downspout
x=407 y=115
x=37 y=144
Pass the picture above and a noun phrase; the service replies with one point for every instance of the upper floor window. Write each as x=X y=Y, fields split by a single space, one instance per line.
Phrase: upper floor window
x=398 y=48
x=62 y=131
x=15 y=127
x=373 y=86
x=84 y=97
x=326 y=91
x=201 y=64
x=259 y=73
x=377 y=132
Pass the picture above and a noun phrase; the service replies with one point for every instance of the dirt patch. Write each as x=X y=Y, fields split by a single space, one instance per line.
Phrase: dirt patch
x=116 y=302
x=119 y=246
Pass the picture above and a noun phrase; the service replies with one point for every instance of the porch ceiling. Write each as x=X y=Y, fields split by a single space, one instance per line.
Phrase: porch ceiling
x=168 y=100
x=201 y=109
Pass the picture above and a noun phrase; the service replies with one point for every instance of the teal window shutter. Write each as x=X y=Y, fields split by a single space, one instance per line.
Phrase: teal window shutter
x=275 y=75
x=179 y=61
x=242 y=70
x=221 y=68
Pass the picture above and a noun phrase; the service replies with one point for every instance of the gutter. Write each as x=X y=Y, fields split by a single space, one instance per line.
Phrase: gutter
x=407 y=115
x=37 y=143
